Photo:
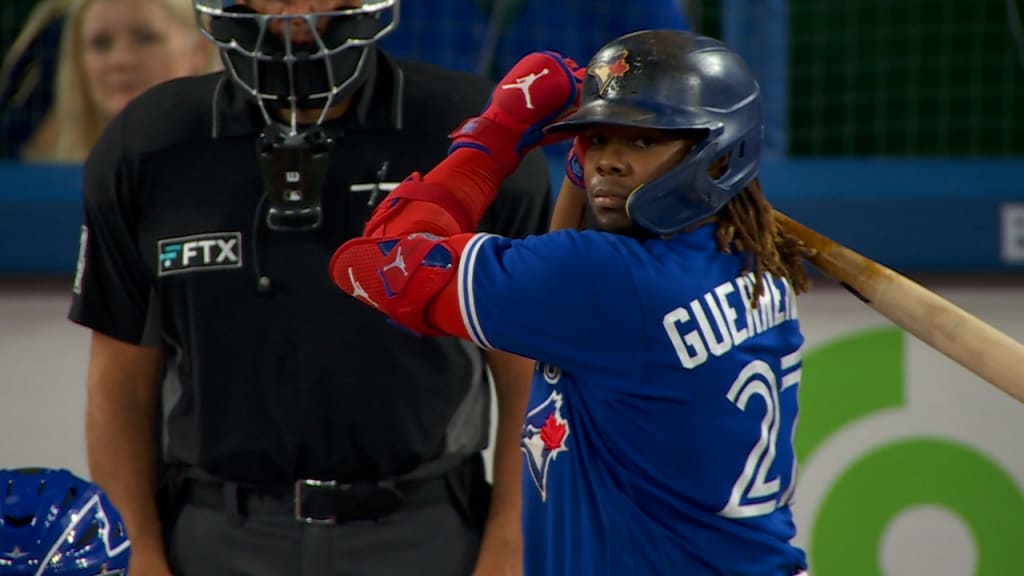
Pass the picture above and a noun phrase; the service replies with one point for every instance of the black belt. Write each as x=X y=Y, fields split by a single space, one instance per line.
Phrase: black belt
x=316 y=501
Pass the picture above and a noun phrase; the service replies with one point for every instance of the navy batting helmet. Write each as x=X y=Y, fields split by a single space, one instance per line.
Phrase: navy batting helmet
x=679 y=81
x=53 y=522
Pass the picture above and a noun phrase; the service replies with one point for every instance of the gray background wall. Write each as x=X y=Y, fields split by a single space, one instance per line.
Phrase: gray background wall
x=42 y=377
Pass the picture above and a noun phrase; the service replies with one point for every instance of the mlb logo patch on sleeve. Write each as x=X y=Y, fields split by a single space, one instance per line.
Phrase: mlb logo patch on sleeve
x=212 y=251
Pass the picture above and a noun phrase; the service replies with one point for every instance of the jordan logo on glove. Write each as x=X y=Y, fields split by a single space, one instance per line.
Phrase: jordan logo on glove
x=524 y=84
x=511 y=126
x=357 y=289
x=398 y=263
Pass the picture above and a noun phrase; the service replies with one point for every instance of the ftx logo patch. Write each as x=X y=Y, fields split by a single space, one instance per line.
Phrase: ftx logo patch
x=213 y=251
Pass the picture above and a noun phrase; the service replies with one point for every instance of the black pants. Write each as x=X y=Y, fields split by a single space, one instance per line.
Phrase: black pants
x=433 y=540
x=435 y=533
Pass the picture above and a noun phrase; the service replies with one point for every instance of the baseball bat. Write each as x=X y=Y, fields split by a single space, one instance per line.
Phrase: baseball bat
x=970 y=342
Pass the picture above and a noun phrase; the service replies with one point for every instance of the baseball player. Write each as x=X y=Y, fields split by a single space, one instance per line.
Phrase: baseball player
x=658 y=437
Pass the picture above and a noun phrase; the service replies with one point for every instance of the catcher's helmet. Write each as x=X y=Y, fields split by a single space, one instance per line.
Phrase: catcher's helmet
x=675 y=80
x=55 y=523
x=297 y=61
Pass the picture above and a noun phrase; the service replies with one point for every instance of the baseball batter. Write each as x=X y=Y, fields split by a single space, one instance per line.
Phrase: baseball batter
x=659 y=433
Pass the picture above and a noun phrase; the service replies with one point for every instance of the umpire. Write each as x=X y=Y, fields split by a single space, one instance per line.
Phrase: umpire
x=299 y=433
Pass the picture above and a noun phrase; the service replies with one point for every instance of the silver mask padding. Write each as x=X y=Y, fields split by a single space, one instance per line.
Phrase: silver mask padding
x=297 y=62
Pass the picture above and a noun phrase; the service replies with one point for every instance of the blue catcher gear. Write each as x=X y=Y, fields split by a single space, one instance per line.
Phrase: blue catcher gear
x=678 y=81
x=53 y=523
x=297 y=61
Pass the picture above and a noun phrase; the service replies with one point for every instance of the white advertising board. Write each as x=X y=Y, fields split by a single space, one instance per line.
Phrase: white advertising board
x=910 y=464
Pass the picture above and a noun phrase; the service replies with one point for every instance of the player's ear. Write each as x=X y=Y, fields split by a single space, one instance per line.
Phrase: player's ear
x=718 y=168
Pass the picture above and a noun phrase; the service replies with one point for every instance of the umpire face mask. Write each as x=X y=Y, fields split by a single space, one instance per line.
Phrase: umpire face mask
x=303 y=55
x=311 y=56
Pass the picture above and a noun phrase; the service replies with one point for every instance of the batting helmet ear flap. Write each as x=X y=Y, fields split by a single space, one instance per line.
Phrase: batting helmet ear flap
x=683 y=195
x=744 y=161
x=689 y=192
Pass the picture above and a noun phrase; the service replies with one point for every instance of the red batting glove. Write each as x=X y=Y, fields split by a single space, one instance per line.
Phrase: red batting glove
x=539 y=89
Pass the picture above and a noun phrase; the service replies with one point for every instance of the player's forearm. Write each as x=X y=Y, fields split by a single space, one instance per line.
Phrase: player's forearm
x=501 y=550
x=449 y=200
x=512 y=376
x=472 y=178
x=506 y=497
x=121 y=447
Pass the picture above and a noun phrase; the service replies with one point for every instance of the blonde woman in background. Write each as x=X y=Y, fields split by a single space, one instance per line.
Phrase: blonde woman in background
x=111 y=51
x=28 y=74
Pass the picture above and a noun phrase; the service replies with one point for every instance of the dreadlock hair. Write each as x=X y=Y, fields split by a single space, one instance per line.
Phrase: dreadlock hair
x=747 y=224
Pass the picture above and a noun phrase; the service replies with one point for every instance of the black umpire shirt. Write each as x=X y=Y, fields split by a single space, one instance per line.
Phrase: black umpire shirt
x=296 y=380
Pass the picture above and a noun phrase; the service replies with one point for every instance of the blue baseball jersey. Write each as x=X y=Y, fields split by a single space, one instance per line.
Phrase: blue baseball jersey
x=659 y=433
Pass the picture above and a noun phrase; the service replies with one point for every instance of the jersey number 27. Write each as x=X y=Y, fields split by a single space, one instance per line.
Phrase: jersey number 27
x=753 y=493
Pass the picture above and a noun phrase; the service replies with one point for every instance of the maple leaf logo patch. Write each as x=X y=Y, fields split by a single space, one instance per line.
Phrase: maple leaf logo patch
x=605 y=72
x=543 y=439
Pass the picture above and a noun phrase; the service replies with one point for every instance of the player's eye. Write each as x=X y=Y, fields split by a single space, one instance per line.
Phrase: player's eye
x=597 y=139
x=645 y=142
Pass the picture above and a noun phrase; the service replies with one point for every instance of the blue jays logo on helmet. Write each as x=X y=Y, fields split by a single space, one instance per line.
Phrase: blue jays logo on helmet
x=609 y=70
x=543 y=438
